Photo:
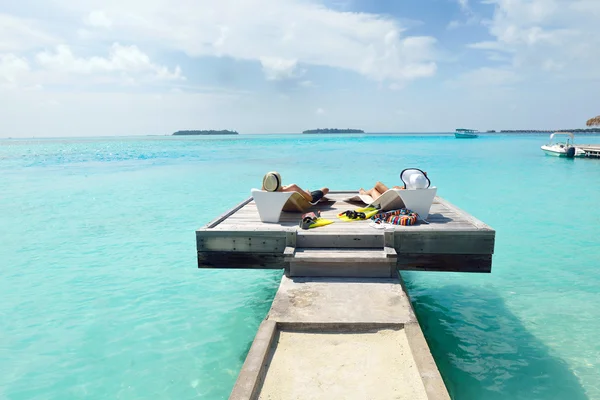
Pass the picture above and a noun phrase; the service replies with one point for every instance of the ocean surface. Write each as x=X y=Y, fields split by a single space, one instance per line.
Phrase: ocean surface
x=100 y=296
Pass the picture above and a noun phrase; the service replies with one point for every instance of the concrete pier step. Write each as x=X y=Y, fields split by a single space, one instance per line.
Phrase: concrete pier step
x=313 y=238
x=342 y=262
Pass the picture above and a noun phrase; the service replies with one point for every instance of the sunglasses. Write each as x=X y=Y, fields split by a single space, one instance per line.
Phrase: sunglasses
x=354 y=214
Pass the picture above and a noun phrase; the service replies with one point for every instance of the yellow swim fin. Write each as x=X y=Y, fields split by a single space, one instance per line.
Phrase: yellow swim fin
x=370 y=211
x=320 y=222
x=360 y=214
x=313 y=220
x=367 y=208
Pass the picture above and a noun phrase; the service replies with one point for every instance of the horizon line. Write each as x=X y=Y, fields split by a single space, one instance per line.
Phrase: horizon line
x=530 y=131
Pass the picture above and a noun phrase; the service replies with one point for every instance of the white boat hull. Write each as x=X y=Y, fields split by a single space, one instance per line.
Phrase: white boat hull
x=557 y=151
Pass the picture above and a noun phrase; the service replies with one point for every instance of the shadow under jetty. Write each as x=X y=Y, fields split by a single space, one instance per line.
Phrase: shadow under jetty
x=483 y=351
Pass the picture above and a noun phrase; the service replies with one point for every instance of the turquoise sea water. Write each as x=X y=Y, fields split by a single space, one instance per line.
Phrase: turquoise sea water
x=100 y=296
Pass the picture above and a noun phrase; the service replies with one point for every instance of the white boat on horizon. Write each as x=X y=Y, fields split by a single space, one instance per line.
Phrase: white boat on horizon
x=562 y=149
x=465 y=134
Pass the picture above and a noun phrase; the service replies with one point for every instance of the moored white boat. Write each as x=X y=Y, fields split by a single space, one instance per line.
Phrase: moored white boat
x=562 y=149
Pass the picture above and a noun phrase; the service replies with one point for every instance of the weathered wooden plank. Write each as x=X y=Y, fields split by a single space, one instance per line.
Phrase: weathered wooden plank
x=433 y=242
x=340 y=255
x=249 y=212
x=290 y=238
x=253 y=212
x=253 y=227
x=479 y=224
x=339 y=205
x=241 y=232
x=357 y=227
x=340 y=240
x=264 y=245
x=224 y=216
x=408 y=262
x=247 y=243
x=250 y=260
x=253 y=221
x=445 y=262
x=450 y=217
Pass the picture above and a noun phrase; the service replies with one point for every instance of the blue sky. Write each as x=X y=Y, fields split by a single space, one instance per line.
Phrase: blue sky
x=129 y=67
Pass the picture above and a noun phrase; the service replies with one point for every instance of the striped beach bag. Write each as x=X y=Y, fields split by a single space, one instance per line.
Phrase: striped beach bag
x=396 y=217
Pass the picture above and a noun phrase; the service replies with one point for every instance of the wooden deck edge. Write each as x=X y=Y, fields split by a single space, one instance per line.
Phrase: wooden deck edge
x=241 y=260
x=478 y=263
x=472 y=263
x=226 y=214
x=475 y=221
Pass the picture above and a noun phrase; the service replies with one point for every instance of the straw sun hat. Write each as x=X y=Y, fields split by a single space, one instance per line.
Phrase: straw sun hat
x=272 y=181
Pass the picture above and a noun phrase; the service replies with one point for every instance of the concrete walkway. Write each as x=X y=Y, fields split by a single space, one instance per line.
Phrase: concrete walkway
x=351 y=338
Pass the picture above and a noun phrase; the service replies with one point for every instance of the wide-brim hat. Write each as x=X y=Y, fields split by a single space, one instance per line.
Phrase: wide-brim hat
x=414 y=178
x=272 y=181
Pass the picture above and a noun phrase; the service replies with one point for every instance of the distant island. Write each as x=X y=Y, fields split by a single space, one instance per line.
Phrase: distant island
x=205 y=132
x=328 y=130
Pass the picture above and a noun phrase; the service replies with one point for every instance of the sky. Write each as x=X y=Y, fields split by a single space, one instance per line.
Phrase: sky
x=152 y=67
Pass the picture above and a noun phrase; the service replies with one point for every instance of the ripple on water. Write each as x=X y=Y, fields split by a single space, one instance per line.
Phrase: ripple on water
x=101 y=297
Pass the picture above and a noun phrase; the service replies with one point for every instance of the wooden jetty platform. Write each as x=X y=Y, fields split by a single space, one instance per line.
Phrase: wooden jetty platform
x=591 y=150
x=341 y=325
x=453 y=240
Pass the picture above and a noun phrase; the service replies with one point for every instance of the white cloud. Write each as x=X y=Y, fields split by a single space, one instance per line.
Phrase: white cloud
x=311 y=34
x=454 y=24
x=19 y=34
x=307 y=84
x=486 y=77
x=11 y=69
x=537 y=33
x=276 y=69
x=472 y=18
x=396 y=86
x=553 y=65
x=46 y=113
x=98 y=18
x=125 y=59
x=497 y=57
x=320 y=111
x=487 y=45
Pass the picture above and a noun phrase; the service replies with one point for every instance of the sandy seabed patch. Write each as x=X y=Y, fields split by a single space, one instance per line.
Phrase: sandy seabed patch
x=365 y=366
